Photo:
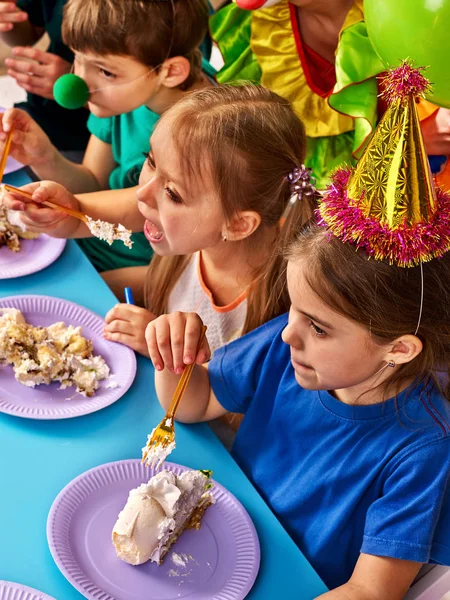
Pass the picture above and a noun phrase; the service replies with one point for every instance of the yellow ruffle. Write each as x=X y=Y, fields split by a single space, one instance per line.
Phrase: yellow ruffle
x=273 y=42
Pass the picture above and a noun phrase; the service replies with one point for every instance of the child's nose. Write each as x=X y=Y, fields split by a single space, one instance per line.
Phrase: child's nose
x=291 y=337
x=146 y=193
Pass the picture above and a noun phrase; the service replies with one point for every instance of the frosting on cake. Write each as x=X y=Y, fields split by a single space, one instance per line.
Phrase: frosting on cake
x=157 y=512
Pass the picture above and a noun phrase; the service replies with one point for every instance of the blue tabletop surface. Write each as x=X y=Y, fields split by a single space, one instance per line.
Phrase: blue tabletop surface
x=38 y=458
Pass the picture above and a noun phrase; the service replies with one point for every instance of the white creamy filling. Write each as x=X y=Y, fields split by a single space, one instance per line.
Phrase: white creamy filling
x=154 y=513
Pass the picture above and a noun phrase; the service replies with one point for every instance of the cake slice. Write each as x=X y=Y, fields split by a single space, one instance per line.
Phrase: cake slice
x=157 y=512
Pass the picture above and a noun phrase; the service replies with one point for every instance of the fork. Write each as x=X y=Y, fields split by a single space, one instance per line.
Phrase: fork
x=65 y=209
x=161 y=441
x=6 y=152
x=100 y=229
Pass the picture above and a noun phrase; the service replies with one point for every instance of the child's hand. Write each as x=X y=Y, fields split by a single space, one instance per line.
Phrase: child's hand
x=39 y=218
x=30 y=144
x=36 y=71
x=10 y=15
x=172 y=341
x=126 y=323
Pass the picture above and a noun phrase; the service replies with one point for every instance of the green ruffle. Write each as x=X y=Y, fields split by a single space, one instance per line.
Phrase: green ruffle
x=355 y=92
x=231 y=30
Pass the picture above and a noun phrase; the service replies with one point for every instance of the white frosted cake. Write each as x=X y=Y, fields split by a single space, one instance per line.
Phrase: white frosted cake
x=157 y=512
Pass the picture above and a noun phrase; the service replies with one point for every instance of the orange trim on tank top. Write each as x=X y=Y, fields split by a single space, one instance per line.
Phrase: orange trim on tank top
x=219 y=309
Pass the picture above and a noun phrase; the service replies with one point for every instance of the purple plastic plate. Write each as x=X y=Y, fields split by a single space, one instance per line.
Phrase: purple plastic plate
x=12 y=165
x=34 y=255
x=221 y=558
x=15 y=591
x=48 y=401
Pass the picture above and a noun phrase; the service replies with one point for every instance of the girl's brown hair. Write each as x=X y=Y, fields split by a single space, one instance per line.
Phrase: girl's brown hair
x=384 y=299
x=247 y=139
x=151 y=31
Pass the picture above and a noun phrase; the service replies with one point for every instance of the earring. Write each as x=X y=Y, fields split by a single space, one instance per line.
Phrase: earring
x=391 y=364
x=224 y=238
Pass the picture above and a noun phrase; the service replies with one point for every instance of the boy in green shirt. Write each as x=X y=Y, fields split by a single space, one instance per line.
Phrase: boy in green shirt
x=138 y=58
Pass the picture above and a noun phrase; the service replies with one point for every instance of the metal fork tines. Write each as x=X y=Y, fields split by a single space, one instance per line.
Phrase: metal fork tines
x=161 y=441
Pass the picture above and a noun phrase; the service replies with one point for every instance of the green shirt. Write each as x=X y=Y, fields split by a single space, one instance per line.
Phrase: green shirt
x=129 y=137
x=66 y=128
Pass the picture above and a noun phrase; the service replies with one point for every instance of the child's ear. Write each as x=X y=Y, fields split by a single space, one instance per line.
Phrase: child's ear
x=242 y=225
x=404 y=349
x=174 y=71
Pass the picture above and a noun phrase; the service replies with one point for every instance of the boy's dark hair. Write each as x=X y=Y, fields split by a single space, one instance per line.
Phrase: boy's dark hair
x=150 y=31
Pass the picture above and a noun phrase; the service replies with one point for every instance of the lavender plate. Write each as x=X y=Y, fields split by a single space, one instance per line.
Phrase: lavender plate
x=12 y=165
x=34 y=255
x=15 y=591
x=48 y=401
x=220 y=561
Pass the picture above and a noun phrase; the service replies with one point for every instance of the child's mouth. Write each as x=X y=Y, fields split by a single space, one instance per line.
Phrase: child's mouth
x=152 y=233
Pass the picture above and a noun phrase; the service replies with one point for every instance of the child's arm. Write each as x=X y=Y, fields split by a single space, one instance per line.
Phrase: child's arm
x=376 y=578
x=92 y=175
x=132 y=277
x=172 y=342
x=115 y=206
x=32 y=147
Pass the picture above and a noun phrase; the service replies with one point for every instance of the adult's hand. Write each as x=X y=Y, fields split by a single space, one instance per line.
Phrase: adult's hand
x=38 y=70
x=10 y=14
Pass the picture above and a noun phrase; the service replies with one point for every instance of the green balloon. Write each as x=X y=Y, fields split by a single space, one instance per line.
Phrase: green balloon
x=415 y=29
x=70 y=91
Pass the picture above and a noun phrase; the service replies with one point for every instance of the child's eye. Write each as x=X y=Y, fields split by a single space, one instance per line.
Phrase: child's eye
x=316 y=330
x=150 y=161
x=107 y=74
x=173 y=196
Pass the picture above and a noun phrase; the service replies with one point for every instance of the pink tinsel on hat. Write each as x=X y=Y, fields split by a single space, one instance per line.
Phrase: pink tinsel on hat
x=404 y=82
x=406 y=246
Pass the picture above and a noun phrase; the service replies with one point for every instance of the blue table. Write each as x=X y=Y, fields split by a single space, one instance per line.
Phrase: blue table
x=38 y=458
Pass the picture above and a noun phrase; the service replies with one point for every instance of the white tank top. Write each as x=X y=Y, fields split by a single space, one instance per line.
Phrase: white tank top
x=190 y=294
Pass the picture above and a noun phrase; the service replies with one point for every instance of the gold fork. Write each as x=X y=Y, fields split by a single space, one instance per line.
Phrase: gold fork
x=161 y=441
x=6 y=152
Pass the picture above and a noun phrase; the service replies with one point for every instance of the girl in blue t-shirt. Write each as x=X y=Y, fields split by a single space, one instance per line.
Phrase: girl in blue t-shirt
x=346 y=432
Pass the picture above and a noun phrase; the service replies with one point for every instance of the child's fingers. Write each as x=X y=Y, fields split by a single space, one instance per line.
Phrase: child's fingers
x=192 y=333
x=152 y=347
x=116 y=312
x=204 y=354
x=15 y=116
x=177 y=335
x=121 y=338
x=15 y=201
x=43 y=216
x=119 y=326
x=163 y=341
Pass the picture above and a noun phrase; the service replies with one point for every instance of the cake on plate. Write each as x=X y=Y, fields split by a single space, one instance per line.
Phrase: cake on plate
x=40 y=355
x=157 y=512
x=12 y=230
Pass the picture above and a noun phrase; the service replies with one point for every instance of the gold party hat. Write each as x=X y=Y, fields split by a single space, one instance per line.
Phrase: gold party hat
x=388 y=204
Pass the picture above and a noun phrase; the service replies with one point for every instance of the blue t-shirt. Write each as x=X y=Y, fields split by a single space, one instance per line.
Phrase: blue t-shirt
x=343 y=479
